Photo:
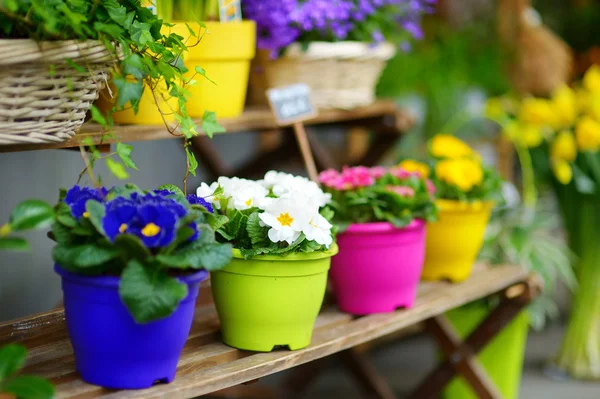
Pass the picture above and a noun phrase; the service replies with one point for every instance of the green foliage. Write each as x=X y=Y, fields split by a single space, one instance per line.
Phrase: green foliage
x=379 y=203
x=12 y=359
x=184 y=10
x=146 y=55
x=519 y=236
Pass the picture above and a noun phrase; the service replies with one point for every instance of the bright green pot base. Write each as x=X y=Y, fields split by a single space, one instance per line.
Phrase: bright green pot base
x=502 y=358
x=270 y=301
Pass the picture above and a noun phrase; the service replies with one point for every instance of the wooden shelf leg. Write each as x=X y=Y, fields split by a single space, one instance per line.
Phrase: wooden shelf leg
x=372 y=384
x=460 y=355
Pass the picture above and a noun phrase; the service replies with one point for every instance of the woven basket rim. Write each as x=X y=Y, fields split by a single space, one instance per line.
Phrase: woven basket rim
x=29 y=51
x=340 y=50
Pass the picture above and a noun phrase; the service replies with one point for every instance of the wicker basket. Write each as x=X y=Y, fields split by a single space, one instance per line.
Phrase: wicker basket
x=340 y=75
x=42 y=98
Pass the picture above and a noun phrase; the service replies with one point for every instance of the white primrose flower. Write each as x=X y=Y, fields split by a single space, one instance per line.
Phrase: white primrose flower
x=286 y=184
x=318 y=229
x=286 y=219
x=242 y=194
x=205 y=191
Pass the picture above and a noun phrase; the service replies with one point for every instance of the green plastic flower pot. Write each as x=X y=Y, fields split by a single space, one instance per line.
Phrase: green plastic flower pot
x=270 y=301
x=502 y=358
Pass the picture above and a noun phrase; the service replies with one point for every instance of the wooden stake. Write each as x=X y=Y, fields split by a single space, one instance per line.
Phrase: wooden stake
x=307 y=155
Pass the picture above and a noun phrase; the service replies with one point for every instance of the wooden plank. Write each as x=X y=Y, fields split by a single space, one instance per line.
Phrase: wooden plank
x=207 y=365
x=252 y=119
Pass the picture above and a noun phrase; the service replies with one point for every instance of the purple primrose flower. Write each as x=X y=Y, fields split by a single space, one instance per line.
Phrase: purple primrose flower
x=77 y=197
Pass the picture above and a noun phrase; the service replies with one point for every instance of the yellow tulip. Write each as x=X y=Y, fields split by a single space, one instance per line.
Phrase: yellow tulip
x=587 y=134
x=448 y=146
x=410 y=165
x=564 y=148
x=464 y=173
x=532 y=136
x=536 y=111
x=562 y=171
x=564 y=104
x=591 y=80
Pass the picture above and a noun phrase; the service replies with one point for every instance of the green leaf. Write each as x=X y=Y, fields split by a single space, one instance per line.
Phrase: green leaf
x=64 y=216
x=140 y=33
x=256 y=232
x=238 y=222
x=310 y=246
x=149 y=294
x=14 y=244
x=28 y=387
x=31 y=215
x=61 y=233
x=216 y=221
x=124 y=152
x=128 y=92
x=202 y=71
x=82 y=256
x=132 y=246
x=96 y=212
x=210 y=126
x=117 y=169
x=215 y=256
x=225 y=235
x=193 y=163
x=97 y=116
x=12 y=358
x=172 y=188
x=75 y=66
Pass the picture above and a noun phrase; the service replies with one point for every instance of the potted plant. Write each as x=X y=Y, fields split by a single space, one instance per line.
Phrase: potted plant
x=382 y=215
x=466 y=191
x=337 y=48
x=66 y=51
x=567 y=155
x=131 y=263
x=271 y=292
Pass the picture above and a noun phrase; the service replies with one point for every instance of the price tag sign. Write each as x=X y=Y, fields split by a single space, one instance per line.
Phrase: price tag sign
x=231 y=11
x=291 y=104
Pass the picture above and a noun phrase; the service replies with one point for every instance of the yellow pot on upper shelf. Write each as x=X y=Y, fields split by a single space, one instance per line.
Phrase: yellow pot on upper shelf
x=454 y=241
x=224 y=52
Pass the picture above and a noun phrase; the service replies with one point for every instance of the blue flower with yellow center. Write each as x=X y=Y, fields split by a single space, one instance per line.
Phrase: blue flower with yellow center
x=155 y=225
x=120 y=214
x=195 y=200
x=77 y=197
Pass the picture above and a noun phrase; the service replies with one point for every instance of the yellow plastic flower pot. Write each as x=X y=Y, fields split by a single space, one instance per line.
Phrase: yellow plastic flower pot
x=148 y=113
x=269 y=300
x=453 y=243
x=225 y=52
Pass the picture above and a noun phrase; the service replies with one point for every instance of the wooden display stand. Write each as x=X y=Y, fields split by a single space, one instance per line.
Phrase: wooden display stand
x=208 y=366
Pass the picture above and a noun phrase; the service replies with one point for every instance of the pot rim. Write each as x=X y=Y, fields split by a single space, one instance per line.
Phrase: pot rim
x=383 y=227
x=113 y=281
x=463 y=206
x=296 y=256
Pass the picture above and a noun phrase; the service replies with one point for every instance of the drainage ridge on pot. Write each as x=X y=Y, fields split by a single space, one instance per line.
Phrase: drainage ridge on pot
x=270 y=301
x=111 y=349
x=453 y=243
x=378 y=267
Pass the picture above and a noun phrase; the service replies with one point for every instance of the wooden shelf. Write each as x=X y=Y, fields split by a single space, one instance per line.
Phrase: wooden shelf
x=207 y=365
x=253 y=119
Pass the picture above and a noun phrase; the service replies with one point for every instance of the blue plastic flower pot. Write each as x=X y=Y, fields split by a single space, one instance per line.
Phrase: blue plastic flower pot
x=111 y=349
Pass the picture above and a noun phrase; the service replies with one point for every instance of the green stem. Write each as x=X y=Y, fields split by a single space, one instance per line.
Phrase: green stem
x=457 y=121
x=528 y=175
x=580 y=352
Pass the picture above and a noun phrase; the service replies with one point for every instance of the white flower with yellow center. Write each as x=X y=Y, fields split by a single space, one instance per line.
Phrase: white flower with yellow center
x=286 y=184
x=242 y=194
x=207 y=192
x=318 y=229
x=285 y=218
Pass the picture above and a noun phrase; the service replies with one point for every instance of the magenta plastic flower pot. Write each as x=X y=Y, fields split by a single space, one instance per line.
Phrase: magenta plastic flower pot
x=378 y=267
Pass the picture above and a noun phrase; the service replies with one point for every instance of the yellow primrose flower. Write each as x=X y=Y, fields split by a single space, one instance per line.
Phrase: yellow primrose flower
x=464 y=173
x=562 y=171
x=536 y=111
x=532 y=136
x=564 y=104
x=564 y=148
x=591 y=79
x=494 y=108
x=448 y=146
x=587 y=134
x=593 y=106
x=410 y=165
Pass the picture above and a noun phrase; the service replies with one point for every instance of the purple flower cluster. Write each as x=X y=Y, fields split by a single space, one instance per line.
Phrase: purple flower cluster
x=152 y=217
x=282 y=22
